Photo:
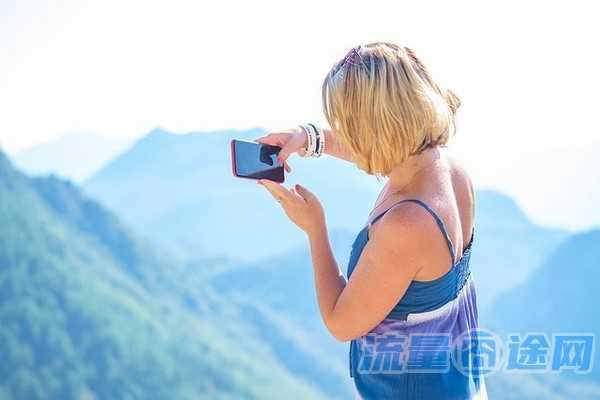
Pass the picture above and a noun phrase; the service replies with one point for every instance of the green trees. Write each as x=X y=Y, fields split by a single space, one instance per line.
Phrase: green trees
x=88 y=310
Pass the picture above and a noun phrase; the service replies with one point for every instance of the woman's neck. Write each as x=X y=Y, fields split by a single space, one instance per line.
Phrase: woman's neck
x=404 y=174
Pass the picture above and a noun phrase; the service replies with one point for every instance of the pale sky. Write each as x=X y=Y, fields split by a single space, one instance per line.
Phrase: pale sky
x=527 y=72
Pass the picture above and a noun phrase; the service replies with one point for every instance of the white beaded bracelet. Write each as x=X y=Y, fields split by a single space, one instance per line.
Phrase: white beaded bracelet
x=311 y=141
x=320 y=148
x=315 y=141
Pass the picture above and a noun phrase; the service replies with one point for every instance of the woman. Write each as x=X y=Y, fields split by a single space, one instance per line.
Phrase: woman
x=408 y=299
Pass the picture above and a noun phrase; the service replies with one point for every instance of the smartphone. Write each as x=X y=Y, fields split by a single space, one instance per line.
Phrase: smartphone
x=256 y=161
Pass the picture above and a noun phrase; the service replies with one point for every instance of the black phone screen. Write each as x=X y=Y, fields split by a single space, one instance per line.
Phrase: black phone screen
x=256 y=161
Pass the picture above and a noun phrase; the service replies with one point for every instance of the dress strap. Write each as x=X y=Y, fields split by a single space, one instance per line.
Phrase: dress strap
x=436 y=217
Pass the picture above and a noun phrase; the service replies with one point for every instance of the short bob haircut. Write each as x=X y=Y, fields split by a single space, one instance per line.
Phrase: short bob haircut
x=381 y=102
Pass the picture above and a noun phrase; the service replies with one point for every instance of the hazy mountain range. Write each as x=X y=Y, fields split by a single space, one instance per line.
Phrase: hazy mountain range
x=556 y=186
x=75 y=156
x=562 y=293
x=220 y=303
x=179 y=190
x=88 y=310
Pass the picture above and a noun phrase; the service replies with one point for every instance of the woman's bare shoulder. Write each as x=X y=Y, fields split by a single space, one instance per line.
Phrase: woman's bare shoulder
x=408 y=224
x=461 y=179
x=464 y=195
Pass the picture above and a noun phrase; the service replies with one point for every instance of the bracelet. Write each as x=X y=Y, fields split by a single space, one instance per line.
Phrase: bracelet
x=315 y=141
x=320 y=148
x=311 y=141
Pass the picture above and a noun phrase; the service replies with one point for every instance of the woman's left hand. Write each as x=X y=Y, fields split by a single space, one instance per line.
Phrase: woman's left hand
x=300 y=205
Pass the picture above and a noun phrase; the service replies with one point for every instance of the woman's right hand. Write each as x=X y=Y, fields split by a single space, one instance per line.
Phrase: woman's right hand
x=291 y=141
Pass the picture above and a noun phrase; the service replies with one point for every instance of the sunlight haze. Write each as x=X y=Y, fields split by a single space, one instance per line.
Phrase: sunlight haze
x=526 y=74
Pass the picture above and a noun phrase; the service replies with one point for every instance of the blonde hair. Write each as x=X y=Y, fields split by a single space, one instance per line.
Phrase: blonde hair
x=383 y=105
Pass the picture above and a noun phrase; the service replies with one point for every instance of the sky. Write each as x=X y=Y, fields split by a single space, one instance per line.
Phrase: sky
x=527 y=74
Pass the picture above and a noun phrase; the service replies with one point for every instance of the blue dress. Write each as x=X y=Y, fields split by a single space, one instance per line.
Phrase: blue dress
x=418 y=350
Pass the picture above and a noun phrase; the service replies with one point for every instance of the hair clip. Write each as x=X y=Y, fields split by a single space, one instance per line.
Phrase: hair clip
x=353 y=57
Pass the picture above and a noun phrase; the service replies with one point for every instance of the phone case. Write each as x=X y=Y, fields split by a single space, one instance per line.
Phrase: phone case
x=234 y=166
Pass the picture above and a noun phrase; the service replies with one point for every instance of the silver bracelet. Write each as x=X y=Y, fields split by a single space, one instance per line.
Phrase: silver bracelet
x=311 y=141
x=314 y=138
x=320 y=135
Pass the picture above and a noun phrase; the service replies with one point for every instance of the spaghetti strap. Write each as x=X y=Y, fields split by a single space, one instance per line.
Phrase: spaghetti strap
x=437 y=219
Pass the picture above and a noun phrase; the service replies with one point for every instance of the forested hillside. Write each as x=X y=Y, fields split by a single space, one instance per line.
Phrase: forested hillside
x=88 y=310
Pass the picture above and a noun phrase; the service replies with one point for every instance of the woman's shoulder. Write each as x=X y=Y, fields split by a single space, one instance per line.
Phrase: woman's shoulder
x=463 y=194
x=457 y=168
x=408 y=222
x=461 y=181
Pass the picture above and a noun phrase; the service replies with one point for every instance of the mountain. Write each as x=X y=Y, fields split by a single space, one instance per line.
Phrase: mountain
x=508 y=246
x=178 y=189
x=89 y=310
x=79 y=289
x=284 y=286
x=565 y=190
x=560 y=296
x=76 y=156
x=562 y=293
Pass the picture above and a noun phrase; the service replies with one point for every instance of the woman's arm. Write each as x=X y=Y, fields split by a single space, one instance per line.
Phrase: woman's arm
x=294 y=140
x=329 y=279
x=387 y=265
x=334 y=148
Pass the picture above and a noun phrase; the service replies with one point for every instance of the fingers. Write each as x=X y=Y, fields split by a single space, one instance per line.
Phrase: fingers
x=280 y=139
x=277 y=191
x=274 y=139
x=291 y=146
x=286 y=151
x=287 y=167
x=268 y=139
x=306 y=194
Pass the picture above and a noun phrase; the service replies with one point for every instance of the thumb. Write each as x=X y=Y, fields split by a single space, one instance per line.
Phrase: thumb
x=306 y=194
x=286 y=151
